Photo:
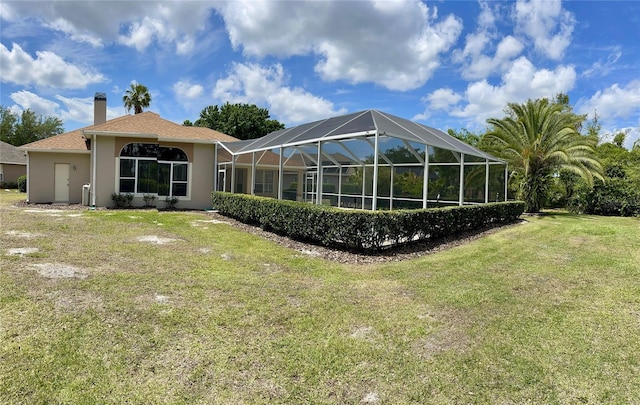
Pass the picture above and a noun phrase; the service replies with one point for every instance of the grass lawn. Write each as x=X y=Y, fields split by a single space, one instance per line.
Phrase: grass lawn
x=115 y=306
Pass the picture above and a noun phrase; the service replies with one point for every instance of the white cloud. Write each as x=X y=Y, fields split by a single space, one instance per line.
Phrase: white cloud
x=26 y=100
x=475 y=59
x=347 y=37
x=476 y=42
x=81 y=109
x=185 y=90
x=443 y=98
x=633 y=136
x=482 y=66
x=72 y=109
x=6 y=12
x=137 y=23
x=547 y=24
x=601 y=68
x=522 y=81
x=613 y=102
x=47 y=70
x=266 y=86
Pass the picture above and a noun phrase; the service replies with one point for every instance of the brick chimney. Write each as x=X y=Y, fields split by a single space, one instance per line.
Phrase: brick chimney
x=100 y=108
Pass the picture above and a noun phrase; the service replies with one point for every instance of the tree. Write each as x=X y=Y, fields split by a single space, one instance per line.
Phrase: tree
x=619 y=138
x=27 y=127
x=137 y=97
x=466 y=136
x=539 y=139
x=242 y=121
x=7 y=124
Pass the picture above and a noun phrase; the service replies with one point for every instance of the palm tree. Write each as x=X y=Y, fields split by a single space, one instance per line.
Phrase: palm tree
x=538 y=139
x=136 y=97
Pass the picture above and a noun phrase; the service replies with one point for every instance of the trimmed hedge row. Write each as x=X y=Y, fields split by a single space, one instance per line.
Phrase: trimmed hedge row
x=356 y=229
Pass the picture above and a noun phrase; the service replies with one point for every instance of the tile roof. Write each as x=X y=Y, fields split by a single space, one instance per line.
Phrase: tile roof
x=146 y=123
x=10 y=154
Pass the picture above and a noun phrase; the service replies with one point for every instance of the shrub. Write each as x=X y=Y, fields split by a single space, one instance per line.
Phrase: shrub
x=148 y=200
x=122 y=200
x=22 y=183
x=616 y=197
x=360 y=230
x=9 y=184
x=170 y=202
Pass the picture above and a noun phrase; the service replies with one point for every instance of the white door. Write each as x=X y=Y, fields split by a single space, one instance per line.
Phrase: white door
x=61 y=182
x=311 y=187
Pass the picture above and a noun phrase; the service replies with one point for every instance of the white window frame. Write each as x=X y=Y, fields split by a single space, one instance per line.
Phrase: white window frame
x=262 y=183
x=171 y=181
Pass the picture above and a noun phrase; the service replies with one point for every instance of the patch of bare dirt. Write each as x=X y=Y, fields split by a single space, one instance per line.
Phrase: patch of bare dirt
x=364 y=333
x=399 y=253
x=76 y=301
x=155 y=239
x=371 y=398
x=58 y=270
x=21 y=251
x=23 y=235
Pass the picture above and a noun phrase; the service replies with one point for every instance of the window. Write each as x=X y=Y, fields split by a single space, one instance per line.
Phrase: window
x=147 y=168
x=264 y=181
x=172 y=179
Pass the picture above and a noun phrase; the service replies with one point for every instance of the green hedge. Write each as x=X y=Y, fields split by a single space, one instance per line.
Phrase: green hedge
x=356 y=229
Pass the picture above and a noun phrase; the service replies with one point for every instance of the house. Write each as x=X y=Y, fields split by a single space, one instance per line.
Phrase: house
x=141 y=154
x=13 y=163
x=365 y=160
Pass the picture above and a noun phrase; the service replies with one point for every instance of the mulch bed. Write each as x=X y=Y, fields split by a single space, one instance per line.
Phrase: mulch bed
x=398 y=253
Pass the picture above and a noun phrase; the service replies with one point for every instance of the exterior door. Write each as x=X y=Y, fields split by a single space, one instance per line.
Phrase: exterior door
x=311 y=187
x=222 y=180
x=61 y=182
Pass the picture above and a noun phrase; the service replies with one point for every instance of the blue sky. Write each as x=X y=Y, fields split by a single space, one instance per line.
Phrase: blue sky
x=446 y=64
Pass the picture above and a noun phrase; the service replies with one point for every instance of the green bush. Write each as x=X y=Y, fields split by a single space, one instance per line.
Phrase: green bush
x=9 y=184
x=22 y=183
x=360 y=230
x=122 y=200
x=616 y=197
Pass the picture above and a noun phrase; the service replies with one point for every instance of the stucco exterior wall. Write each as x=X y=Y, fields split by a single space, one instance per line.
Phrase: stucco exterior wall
x=105 y=181
x=41 y=172
x=201 y=177
x=10 y=172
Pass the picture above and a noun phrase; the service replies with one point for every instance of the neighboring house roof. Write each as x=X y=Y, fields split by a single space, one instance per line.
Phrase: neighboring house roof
x=11 y=155
x=362 y=123
x=145 y=125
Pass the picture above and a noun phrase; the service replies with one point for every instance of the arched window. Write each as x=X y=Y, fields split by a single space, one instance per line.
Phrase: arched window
x=146 y=168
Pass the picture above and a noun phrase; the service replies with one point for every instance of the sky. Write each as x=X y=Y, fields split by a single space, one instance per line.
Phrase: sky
x=446 y=64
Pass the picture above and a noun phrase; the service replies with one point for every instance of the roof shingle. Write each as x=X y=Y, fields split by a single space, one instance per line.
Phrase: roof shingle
x=10 y=154
x=146 y=123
